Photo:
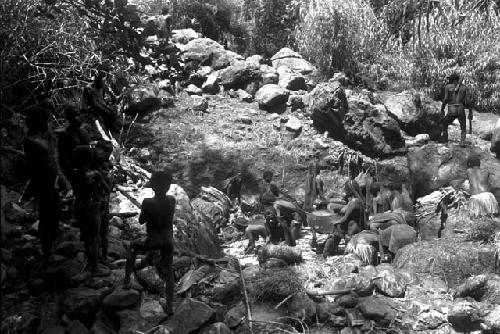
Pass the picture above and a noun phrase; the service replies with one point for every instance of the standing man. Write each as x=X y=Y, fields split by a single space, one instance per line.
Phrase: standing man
x=455 y=94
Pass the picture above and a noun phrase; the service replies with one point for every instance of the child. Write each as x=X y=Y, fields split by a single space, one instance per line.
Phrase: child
x=157 y=213
x=90 y=189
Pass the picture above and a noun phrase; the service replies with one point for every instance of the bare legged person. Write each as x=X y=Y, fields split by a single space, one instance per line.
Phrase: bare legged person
x=157 y=213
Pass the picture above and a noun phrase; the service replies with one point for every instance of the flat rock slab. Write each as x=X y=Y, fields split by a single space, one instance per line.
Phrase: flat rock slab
x=121 y=299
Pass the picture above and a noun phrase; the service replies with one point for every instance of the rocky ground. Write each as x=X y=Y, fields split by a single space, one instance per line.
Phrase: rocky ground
x=237 y=114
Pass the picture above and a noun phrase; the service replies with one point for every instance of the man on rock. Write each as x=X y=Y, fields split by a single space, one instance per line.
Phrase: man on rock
x=482 y=202
x=455 y=95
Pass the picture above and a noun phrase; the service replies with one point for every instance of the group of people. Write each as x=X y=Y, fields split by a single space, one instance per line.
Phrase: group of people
x=82 y=167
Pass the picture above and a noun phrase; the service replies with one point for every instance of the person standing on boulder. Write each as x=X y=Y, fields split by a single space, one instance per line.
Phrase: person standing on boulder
x=455 y=95
x=158 y=214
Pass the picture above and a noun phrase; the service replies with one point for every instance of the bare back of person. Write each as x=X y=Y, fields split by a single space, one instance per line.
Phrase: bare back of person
x=478 y=180
x=158 y=215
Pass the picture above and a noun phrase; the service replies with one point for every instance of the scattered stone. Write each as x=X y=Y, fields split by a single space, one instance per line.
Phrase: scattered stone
x=76 y=327
x=68 y=249
x=152 y=312
x=238 y=75
x=117 y=222
x=255 y=60
x=81 y=303
x=292 y=81
x=327 y=310
x=296 y=102
x=190 y=316
x=293 y=125
x=199 y=103
x=245 y=119
x=235 y=315
x=14 y=212
x=272 y=98
x=292 y=60
x=270 y=78
x=114 y=232
x=465 y=316
x=183 y=36
x=116 y=250
x=378 y=308
x=132 y=322
x=347 y=301
x=302 y=307
x=217 y=328
x=244 y=96
x=150 y=279
x=120 y=299
x=193 y=90
x=211 y=86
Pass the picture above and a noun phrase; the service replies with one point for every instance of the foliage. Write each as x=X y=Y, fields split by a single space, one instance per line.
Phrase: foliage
x=275 y=285
x=484 y=230
x=339 y=35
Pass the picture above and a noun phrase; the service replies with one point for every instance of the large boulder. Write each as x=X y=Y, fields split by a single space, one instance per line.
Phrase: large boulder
x=434 y=166
x=272 y=98
x=190 y=316
x=292 y=60
x=206 y=52
x=453 y=260
x=327 y=104
x=415 y=113
x=290 y=80
x=239 y=75
x=495 y=140
x=183 y=36
x=371 y=130
x=81 y=303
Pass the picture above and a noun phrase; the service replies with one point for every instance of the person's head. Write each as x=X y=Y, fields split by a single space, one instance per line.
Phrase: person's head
x=267 y=176
x=72 y=114
x=270 y=214
x=473 y=161
x=164 y=10
x=99 y=79
x=103 y=150
x=37 y=118
x=82 y=156
x=160 y=181
x=453 y=77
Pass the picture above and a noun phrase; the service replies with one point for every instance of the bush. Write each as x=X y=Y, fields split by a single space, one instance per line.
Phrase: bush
x=484 y=230
x=340 y=35
x=450 y=40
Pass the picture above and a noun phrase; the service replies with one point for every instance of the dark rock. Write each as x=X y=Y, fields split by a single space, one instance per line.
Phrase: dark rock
x=150 y=279
x=415 y=113
x=235 y=315
x=66 y=274
x=99 y=282
x=69 y=249
x=244 y=96
x=81 y=303
x=378 y=308
x=347 y=301
x=296 y=102
x=338 y=321
x=216 y=328
x=76 y=327
x=238 y=76
x=272 y=98
x=105 y=323
x=292 y=60
x=190 y=316
x=327 y=310
x=20 y=323
x=132 y=322
x=369 y=128
x=152 y=312
x=56 y=329
x=211 y=85
x=327 y=104
x=270 y=78
x=292 y=81
x=120 y=299
x=117 y=222
x=116 y=249
x=434 y=166
x=483 y=288
x=14 y=213
x=466 y=316
x=302 y=307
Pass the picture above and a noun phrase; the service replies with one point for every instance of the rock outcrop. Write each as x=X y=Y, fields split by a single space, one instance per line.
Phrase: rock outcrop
x=292 y=60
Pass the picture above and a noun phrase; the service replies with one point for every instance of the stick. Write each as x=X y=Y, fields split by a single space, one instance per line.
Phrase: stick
x=284 y=301
x=249 y=312
x=130 y=197
x=329 y=293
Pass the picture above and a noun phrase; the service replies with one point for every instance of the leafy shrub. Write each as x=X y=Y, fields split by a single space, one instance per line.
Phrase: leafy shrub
x=339 y=35
x=484 y=230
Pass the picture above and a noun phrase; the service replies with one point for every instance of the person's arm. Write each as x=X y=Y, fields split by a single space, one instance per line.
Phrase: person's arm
x=143 y=217
x=268 y=232
x=350 y=209
x=445 y=100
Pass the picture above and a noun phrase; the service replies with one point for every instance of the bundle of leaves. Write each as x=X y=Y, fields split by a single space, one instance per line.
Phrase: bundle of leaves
x=290 y=255
x=274 y=285
x=484 y=230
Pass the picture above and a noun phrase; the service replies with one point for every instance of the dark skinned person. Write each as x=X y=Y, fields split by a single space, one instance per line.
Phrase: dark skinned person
x=455 y=95
x=482 y=202
x=72 y=136
x=232 y=187
x=90 y=190
x=272 y=231
x=44 y=174
x=352 y=221
x=101 y=161
x=94 y=100
x=269 y=197
x=157 y=213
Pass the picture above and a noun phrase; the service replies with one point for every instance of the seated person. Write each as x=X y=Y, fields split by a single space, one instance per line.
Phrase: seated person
x=482 y=202
x=382 y=202
x=351 y=223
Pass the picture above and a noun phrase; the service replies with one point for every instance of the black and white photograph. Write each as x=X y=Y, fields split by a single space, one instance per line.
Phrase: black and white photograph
x=250 y=166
